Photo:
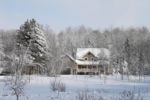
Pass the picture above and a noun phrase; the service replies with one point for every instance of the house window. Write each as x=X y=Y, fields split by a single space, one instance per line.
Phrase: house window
x=80 y=67
x=92 y=59
x=83 y=67
x=94 y=66
x=86 y=58
x=90 y=67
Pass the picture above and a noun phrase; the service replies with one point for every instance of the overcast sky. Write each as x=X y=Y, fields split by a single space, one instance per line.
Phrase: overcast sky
x=59 y=14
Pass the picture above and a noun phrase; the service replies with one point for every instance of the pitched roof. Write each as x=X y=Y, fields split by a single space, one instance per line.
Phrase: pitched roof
x=98 y=52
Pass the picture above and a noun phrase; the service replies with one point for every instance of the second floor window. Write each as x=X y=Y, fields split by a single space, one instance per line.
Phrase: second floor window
x=92 y=58
x=86 y=58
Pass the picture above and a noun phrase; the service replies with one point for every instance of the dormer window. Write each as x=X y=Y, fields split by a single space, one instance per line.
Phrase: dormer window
x=92 y=59
x=86 y=58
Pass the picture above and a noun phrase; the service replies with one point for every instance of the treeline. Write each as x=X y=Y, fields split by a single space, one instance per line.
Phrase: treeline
x=48 y=49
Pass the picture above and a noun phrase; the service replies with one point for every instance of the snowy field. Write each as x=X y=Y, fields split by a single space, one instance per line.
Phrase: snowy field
x=108 y=88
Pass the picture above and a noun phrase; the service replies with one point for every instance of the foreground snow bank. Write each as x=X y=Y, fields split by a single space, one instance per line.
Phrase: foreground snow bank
x=38 y=88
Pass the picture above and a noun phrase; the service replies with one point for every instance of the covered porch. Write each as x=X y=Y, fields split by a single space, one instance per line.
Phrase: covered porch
x=90 y=69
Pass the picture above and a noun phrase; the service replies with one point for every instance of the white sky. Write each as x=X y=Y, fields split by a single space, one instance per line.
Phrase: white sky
x=60 y=14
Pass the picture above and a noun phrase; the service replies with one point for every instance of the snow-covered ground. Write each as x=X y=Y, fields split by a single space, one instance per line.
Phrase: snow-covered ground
x=110 y=87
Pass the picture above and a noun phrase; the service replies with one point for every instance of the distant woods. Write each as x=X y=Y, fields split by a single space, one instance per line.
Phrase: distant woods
x=46 y=48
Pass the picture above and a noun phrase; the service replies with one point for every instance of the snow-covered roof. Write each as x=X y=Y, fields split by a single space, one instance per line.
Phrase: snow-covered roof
x=97 y=52
x=80 y=62
x=70 y=57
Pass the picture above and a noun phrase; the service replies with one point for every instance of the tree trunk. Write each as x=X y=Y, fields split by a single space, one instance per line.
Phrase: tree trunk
x=17 y=97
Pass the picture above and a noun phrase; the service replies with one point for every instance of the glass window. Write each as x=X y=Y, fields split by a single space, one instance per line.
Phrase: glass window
x=85 y=58
x=89 y=67
x=92 y=58
x=79 y=67
x=94 y=66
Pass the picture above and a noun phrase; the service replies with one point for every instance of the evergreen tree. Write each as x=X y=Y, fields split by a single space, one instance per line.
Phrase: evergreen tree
x=128 y=55
x=31 y=36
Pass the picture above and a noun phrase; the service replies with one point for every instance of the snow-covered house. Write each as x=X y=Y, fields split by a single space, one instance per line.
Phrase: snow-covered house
x=91 y=61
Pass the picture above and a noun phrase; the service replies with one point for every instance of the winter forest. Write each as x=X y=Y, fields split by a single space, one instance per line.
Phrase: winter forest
x=38 y=45
x=34 y=56
x=74 y=50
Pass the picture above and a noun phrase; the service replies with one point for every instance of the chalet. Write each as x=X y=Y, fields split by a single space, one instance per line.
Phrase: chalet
x=91 y=61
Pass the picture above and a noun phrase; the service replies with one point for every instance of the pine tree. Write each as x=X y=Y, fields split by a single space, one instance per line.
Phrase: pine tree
x=128 y=55
x=31 y=36
x=127 y=49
